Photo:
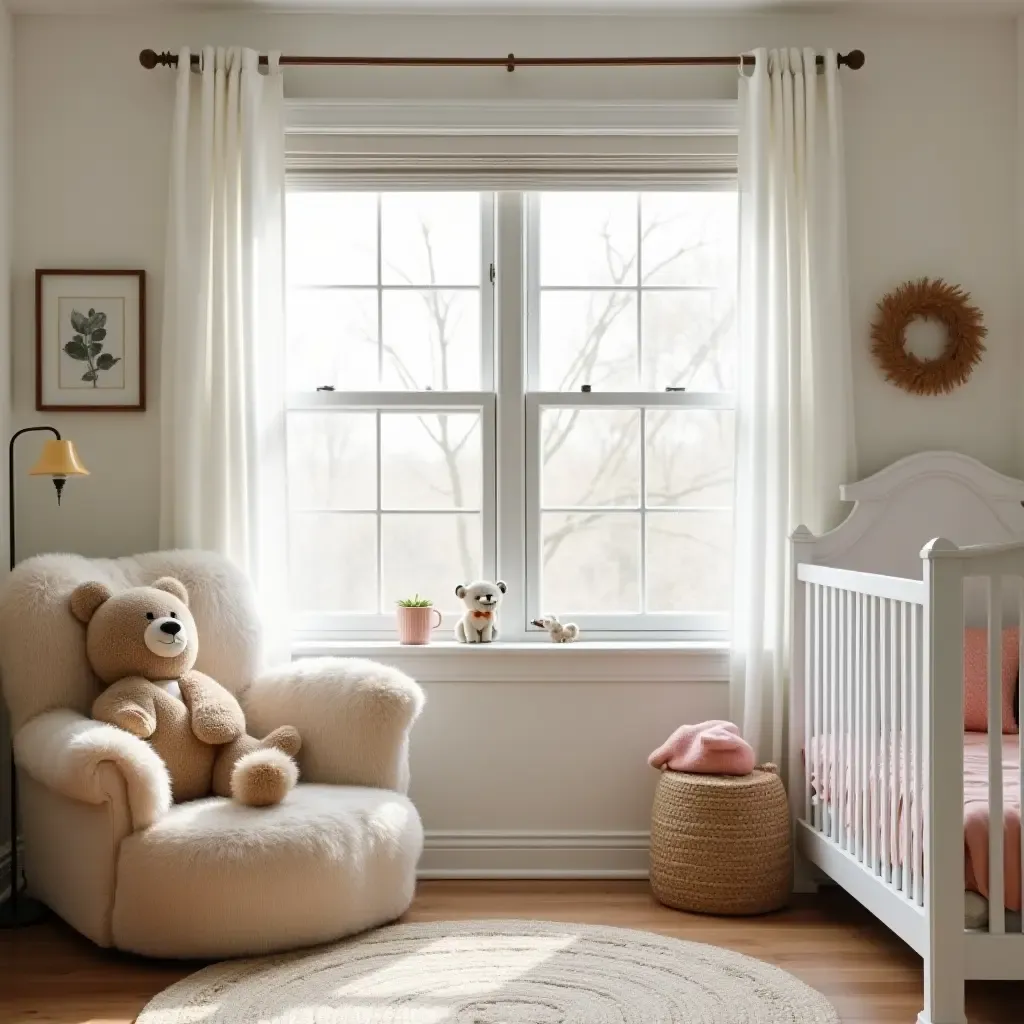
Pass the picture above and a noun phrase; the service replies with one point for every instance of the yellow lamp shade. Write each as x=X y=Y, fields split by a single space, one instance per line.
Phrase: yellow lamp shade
x=59 y=458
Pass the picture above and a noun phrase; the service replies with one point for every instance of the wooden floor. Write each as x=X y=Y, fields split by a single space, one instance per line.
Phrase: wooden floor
x=49 y=975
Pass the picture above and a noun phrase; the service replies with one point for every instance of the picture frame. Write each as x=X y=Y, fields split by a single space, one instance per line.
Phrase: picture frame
x=90 y=340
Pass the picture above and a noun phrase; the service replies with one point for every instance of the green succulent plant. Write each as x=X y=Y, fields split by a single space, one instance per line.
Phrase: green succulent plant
x=87 y=344
x=415 y=602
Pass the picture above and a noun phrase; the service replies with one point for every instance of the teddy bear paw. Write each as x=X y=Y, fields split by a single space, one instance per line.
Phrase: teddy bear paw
x=213 y=726
x=135 y=721
x=285 y=738
x=263 y=777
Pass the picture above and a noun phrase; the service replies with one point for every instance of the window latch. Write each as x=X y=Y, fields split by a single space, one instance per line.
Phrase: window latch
x=491 y=273
x=326 y=387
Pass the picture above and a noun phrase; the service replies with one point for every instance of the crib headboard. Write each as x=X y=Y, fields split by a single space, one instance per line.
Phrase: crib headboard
x=902 y=507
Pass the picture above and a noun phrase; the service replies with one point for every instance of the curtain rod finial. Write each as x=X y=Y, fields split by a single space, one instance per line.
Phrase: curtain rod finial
x=854 y=60
x=150 y=58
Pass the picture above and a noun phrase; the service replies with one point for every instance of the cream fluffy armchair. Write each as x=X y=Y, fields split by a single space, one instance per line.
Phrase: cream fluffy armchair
x=105 y=848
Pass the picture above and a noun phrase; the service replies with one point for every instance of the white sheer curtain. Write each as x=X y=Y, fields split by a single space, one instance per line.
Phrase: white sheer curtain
x=222 y=349
x=795 y=442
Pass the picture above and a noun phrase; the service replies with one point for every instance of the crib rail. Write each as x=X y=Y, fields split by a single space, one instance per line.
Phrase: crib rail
x=999 y=569
x=877 y=701
x=862 y=719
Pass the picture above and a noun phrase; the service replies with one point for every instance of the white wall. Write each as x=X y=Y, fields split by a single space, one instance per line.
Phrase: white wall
x=931 y=129
x=931 y=140
x=565 y=760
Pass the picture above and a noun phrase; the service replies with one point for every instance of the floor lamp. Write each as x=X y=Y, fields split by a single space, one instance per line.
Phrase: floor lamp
x=58 y=460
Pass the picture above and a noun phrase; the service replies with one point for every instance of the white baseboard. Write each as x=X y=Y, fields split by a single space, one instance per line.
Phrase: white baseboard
x=496 y=854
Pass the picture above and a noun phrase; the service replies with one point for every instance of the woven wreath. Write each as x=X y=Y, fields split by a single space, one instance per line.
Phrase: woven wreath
x=928 y=300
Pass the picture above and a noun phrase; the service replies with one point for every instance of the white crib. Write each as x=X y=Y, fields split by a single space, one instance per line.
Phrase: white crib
x=934 y=542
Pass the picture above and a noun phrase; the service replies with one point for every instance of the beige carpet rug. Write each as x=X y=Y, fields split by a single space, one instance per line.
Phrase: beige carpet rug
x=495 y=972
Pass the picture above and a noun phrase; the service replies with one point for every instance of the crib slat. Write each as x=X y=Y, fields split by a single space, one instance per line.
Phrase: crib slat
x=824 y=775
x=895 y=739
x=809 y=686
x=916 y=694
x=906 y=683
x=841 y=803
x=850 y=736
x=858 y=731
x=893 y=820
x=873 y=684
x=1020 y=732
x=884 y=665
x=865 y=729
x=819 y=706
x=835 y=797
x=996 y=900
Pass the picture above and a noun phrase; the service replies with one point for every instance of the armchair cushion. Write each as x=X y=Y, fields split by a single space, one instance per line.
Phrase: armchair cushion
x=213 y=878
x=64 y=751
x=353 y=715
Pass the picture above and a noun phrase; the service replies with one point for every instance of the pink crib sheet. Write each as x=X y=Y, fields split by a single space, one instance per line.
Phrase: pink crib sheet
x=976 y=816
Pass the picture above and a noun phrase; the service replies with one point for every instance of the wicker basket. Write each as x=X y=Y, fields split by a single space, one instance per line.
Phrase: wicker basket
x=721 y=844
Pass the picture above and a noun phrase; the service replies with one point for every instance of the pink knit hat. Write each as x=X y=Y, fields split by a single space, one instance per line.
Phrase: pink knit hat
x=710 y=748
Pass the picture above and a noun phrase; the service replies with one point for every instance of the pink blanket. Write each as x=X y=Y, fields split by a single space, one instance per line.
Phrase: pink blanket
x=976 y=817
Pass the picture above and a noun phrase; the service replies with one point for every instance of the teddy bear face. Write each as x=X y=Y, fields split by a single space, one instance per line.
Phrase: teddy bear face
x=481 y=596
x=145 y=631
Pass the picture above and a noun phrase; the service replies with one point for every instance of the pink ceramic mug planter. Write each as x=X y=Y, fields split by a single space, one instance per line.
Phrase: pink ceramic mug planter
x=416 y=623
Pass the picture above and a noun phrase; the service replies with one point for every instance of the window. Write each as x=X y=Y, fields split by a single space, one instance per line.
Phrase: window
x=584 y=447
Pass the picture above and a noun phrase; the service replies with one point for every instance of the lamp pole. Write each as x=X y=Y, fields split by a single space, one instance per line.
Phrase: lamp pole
x=10 y=484
x=18 y=911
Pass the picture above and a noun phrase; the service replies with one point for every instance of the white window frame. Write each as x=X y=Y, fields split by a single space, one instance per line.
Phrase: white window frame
x=621 y=625
x=511 y=483
x=369 y=626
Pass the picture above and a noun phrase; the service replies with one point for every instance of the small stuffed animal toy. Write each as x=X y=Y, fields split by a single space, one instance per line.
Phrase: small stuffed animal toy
x=479 y=623
x=710 y=748
x=142 y=643
x=559 y=634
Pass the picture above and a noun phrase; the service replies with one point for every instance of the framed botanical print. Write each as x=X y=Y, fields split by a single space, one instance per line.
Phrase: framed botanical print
x=91 y=340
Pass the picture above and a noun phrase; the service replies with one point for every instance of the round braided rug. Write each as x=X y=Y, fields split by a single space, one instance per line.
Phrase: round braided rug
x=495 y=972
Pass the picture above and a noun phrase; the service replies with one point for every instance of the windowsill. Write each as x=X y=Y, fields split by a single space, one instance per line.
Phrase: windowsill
x=593 y=661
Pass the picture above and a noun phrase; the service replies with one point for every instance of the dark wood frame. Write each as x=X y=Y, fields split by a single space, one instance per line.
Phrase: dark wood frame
x=141 y=275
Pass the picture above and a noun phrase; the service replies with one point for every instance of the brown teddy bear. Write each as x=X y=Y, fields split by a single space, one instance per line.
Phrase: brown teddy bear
x=143 y=644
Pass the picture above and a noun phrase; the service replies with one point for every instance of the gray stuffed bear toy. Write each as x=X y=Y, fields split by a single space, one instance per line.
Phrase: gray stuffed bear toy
x=479 y=623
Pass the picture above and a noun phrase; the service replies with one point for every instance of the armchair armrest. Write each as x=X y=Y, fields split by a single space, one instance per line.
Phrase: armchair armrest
x=67 y=753
x=354 y=717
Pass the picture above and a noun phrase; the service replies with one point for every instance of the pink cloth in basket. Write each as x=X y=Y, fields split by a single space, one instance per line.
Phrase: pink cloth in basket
x=709 y=748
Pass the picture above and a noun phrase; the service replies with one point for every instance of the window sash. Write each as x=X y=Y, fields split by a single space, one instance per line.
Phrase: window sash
x=320 y=625
x=485 y=288
x=711 y=625
x=530 y=255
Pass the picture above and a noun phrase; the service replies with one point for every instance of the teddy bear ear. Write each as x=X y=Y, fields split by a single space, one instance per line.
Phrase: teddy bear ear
x=170 y=585
x=502 y=586
x=86 y=598
x=460 y=591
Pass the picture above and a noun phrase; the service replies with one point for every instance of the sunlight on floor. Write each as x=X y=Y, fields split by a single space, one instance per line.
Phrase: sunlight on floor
x=181 y=1014
x=429 y=970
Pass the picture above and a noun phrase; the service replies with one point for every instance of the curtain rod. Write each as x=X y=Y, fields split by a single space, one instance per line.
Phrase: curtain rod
x=854 y=60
